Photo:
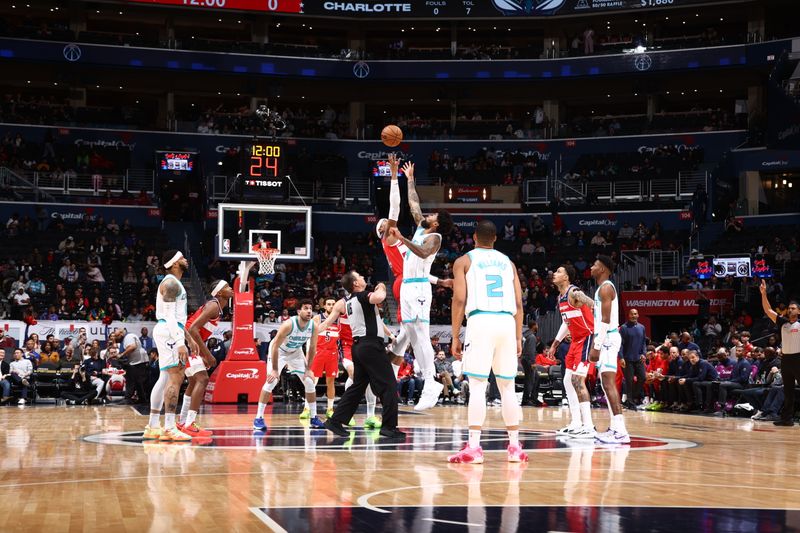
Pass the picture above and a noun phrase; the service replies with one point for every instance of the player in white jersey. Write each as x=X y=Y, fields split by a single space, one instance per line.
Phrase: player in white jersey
x=486 y=288
x=286 y=350
x=605 y=347
x=416 y=293
x=171 y=340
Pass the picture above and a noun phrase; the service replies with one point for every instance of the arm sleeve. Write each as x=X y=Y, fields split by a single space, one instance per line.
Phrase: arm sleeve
x=433 y=279
x=394 y=201
x=562 y=332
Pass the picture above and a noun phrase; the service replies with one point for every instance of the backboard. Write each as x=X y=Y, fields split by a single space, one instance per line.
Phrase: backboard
x=286 y=227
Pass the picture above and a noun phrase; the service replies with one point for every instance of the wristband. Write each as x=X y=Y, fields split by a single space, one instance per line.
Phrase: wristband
x=433 y=279
x=600 y=332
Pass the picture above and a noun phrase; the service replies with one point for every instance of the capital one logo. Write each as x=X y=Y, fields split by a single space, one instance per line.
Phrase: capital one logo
x=246 y=327
x=243 y=373
x=245 y=351
x=528 y=7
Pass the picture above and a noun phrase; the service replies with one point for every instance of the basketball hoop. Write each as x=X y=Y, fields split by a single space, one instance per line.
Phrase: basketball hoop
x=266 y=259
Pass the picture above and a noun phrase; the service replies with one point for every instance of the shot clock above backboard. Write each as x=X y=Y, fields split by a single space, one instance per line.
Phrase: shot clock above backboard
x=262 y=170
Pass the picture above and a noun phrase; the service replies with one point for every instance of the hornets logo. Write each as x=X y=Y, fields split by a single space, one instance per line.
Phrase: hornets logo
x=528 y=7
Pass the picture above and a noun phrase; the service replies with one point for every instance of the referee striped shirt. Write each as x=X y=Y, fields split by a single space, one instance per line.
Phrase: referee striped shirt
x=365 y=319
x=790 y=336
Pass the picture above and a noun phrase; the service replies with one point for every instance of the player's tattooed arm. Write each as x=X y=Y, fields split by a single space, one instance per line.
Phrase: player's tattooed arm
x=170 y=289
x=430 y=246
x=413 y=197
x=578 y=298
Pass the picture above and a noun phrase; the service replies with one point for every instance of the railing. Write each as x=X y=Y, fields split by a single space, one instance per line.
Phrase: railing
x=650 y=264
x=12 y=180
x=133 y=181
x=358 y=188
x=680 y=188
x=220 y=185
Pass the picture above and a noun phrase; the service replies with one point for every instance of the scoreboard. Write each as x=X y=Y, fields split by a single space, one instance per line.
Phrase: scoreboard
x=427 y=9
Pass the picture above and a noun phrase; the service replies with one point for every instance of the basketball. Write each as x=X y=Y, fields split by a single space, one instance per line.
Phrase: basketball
x=391 y=136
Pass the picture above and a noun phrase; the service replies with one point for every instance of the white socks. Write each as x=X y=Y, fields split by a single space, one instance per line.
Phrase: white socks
x=312 y=408
x=260 y=412
x=572 y=400
x=513 y=437
x=187 y=402
x=169 y=420
x=474 y=437
x=586 y=414
x=155 y=421
x=618 y=424
x=371 y=400
x=330 y=404
x=191 y=416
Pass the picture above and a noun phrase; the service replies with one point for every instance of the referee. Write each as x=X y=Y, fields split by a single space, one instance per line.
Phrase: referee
x=790 y=347
x=370 y=362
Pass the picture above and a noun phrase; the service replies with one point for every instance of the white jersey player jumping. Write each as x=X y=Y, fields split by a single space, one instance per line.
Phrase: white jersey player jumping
x=415 y=292
x=486 y=288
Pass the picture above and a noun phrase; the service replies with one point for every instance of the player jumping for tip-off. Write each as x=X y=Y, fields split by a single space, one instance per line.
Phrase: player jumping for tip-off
x=395 y=252
x=415 y=292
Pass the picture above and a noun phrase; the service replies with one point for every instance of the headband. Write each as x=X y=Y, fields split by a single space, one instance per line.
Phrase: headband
x=219 y=286
x=378 y=227
x=175 y=258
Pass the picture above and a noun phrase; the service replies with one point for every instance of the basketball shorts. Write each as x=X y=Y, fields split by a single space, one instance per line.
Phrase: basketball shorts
x=398 y=282
x=415 y=300
x=609 y=353
x=577 y=358
x=194 y=365
x=347 y=351
x=490 y=343
x=294 y=360
x=325 y=363
x=167 y=346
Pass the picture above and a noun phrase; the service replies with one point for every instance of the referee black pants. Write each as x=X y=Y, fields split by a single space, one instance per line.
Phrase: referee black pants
x=790 y=371
x=371 y=367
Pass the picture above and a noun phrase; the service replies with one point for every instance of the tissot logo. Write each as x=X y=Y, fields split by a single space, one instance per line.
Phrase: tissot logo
x=264 y=183
x=368 y=7
x=243 y=373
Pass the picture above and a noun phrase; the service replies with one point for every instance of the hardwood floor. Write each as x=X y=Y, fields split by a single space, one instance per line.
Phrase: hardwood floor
x=86 y=469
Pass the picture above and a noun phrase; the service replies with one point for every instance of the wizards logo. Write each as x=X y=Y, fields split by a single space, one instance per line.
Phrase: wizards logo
x=528 y=7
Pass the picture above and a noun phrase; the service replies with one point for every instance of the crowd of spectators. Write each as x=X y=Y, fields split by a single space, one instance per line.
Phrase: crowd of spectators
x=326 y=123
x=488 y=166
x=57 y=111
x=646 y=163
x=97 y=270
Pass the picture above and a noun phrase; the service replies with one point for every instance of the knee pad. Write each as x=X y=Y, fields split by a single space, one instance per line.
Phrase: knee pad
x=308 y=384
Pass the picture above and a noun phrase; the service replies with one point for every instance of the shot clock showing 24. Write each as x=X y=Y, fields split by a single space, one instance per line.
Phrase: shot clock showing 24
x=261 y=169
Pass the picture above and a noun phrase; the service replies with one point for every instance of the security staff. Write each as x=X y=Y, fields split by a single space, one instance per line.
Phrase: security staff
x=371 y=364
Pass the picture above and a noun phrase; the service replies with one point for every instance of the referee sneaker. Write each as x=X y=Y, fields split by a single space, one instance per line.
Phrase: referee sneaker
x=370 y=362
x=790 y=348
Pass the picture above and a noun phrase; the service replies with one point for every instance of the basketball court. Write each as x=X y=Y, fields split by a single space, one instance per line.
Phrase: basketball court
x=679 y=473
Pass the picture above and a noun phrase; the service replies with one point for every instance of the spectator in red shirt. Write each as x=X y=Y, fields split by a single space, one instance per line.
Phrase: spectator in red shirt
x=545 y=360
x=406 y=376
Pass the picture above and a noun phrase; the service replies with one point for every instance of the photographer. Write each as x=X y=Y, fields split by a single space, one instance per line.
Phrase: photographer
x=83 y=391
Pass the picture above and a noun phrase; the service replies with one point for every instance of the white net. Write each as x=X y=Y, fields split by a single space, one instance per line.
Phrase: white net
x=266 y=260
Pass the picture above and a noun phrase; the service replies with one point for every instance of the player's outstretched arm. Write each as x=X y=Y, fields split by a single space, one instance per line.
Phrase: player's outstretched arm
x=413 y=197
x=394 y=192
x=459 y=301
x=430 y=246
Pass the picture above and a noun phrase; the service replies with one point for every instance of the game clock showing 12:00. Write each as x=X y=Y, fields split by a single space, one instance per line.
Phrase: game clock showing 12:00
x=264 y=161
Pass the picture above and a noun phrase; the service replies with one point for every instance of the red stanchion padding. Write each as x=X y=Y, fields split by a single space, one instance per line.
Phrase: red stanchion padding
x=242 y=372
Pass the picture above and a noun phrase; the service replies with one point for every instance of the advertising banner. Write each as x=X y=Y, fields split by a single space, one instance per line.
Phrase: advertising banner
x=662 y=303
